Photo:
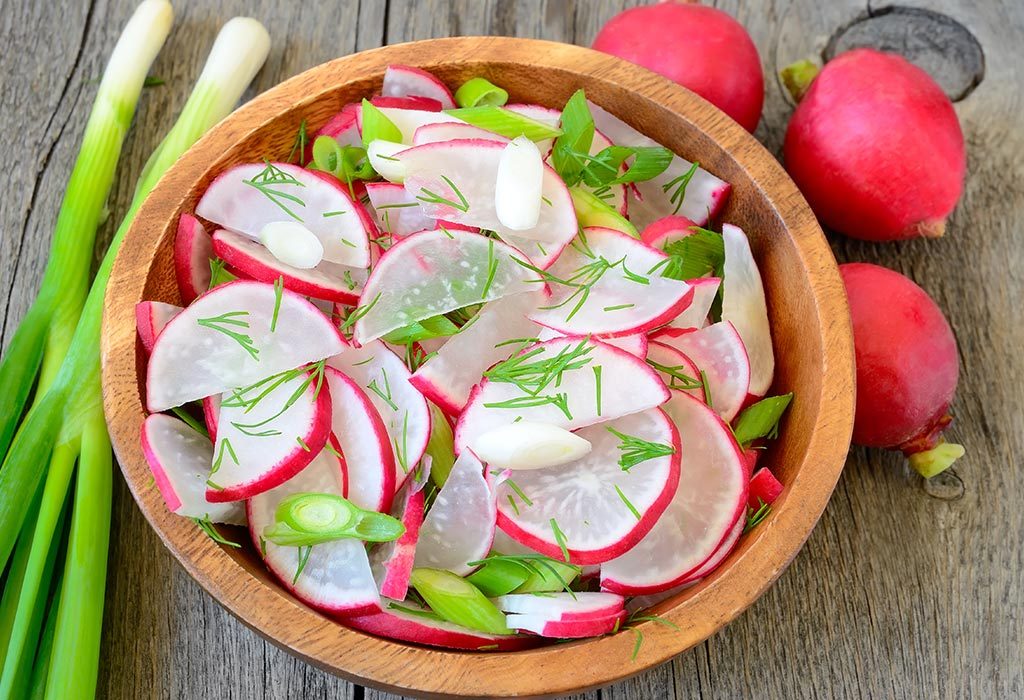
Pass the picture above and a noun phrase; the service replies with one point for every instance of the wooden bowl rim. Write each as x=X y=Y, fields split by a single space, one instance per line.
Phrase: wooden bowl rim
x=548 y=670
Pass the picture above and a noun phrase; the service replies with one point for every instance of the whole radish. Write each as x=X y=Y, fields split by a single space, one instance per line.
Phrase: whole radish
x=699 y=47
x=876 y=148
x=907 y=367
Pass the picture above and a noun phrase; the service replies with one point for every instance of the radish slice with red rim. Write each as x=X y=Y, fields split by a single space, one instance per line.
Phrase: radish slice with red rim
x=676 y=369
x=426 y=104
x=211 y=413
x=408 y=623
x=328 y=281
x=343 y=127
x=336 y=577
x=150 y=319
x=365 y=444
x=459 y=527
x=723 y=551
x=718 y=352
x=409 y=120
x=695 y=315
x=455 y=181
x=594 y=510
x=710 y=497
x=743 y=304
x=566 y=629
x=600 y=383
x=544 y=115
x=434 y=272
x=248 y=197
x=385 y=379
x=450 y=131
x=667 y=229
x=233 y=336
x=500 y=328
x=395 y=210
x=180 y=458
x=267 y=433
x=192 y=254
x=562 y=606
x=602 y=285
x=405 y=81
x=635 y=344
x=392 y=562
x=704 y=194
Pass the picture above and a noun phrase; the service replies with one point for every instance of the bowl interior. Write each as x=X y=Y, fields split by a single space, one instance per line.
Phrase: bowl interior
x=806 y=304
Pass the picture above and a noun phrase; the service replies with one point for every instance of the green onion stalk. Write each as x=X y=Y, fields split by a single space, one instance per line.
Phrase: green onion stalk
x=66 y=418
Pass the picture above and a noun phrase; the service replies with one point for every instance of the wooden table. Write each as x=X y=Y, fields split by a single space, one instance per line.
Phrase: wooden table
x=906 y=588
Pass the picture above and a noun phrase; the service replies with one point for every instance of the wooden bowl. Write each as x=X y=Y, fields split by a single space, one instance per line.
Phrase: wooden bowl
x=810 y=325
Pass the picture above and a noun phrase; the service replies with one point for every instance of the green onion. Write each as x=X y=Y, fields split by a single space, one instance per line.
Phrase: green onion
x=457 y=600
x=440 y=446
x=377 y=126
x=307 y=519
x=592 y=211
x=761 y=419
x=505 y=122
x=433 y=327
x=698 y=254
x=347 y=163
x=497 y=577
x=570 y=150
x=548 y=575
x=480 y=91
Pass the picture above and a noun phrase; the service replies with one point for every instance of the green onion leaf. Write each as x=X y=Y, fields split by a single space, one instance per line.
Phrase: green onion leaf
x=457 y=600
x=497 y=577
x=433 y=327
x=576 y=139
x=377 y=126
x=440 y=446
x=591 y=210
x=761 y=419
x=505 y=122
x=307 y=519
x=477 y=92
x=698 y=254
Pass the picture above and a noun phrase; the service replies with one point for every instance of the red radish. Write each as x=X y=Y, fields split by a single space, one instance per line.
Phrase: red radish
x=211 y=414
x=406 y=81
x=451 y=131
x=327 y=281
x=593 y=510
x=764 y=488
x=267 y=434
x=404 y=622
x=459 y=527
x=622 y=298
x=396 y=211
x=695 y=315
x=563 y=606
x=180 y=458
x=704 y=194
x=364 y=442
x=718 y=351
x=413 y=279
x=194 y=358
x=876 y=148
x=343 y=127
x=246 y=198
x=667 y=229
x=448 y=378
x=675 y=39
x=392 y=562
x=384 y=378
x=743 y=305
x=425 y=104
x=336 y=577
x=907 y=367
x=711 y=496
x=751 y=455
x=671 y=363
x=566 y=629
x=723 y=551
x=192 y=254
x=150 y=319
x=463 y=174
x=496 y=402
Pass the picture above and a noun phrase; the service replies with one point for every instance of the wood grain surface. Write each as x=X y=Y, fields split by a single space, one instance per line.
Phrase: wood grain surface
x=906 y=588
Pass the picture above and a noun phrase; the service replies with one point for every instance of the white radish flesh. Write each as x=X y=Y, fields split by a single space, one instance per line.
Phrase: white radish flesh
x=675 y=368
x=382 y=157
x=180 y=458
x=396 y=211
x=723 y=551
x=233 y=336
x=517 y=191
x=696 y=314
x=436 y=133
x=192 y=254
x=710 y=498
x=408 y=81
x=594 y=510
x=525 y=445
x=150 y=318
x=544 y=115
x=570 y=629
x=292 y=243
x=718 y=352
x=392 y=562
x=405 y=622
x=562 y=606
x=408 y=120
x=743 y=304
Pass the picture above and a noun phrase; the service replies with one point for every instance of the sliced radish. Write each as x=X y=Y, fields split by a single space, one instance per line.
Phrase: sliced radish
x=396 y=211
x=365 y=445
x=192 y=254
x=408 y=120
x=180 y=458
x=392 y=562
x=764 y=488
x=667 y=229
x=644 y=602
x=450 y=131
x=569 y=629
x=343 y=127
x=696 y=314
x=562 y=606
x=328 y=281
x=743 y=304
x=723 y=551
x=385 y=379
x=406 y=81
x=426 y=104
x=544 y=115
x=433 y=272
x=718 y=351
x=206 y=350
x=671 y=363
x=635 y=344
x=456 y=181
x=211 y=413
x=336 y=577
x=627 y=385
x=594 y=510
x=711 y=495
x=248 y=197
x=406 y=623
x=448 y=378
x=705 y=194
x=460 y=525
x=383 y=158
x=150 y=319
x=267 y=433
x=606 y=289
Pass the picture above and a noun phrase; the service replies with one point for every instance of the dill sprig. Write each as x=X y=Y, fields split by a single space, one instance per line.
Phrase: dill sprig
x=559 y=401
x=278 y=296
x=678 y=187
x=532 y=371
x=299 y=145
x=304 y=553
x=384 y=394
x=678 y=379
x=359 y=312
x=207 y=527
x=559 y=538
x=756 y=516
x=226 y=323
x=597 y=386
x=429 y=197
x=635 y=450
x=629 y=504
x=267 y=182
x=492 y=268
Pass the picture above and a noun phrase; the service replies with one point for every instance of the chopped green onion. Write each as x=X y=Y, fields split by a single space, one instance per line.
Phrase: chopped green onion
x=440 y=446
x=548 y=575
x=695 y=255
x=761 y=419
x=307 y=519
x=480 y=91
x=505 y=122
x=377 y=126
x=433 y=327
x=347 y=163
x=592 y=211
x=457 y=600
x=497 y=577
x=571 y=150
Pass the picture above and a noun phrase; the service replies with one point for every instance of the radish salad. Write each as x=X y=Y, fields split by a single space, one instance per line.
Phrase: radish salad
x=472 y=374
